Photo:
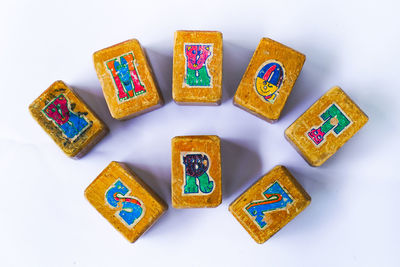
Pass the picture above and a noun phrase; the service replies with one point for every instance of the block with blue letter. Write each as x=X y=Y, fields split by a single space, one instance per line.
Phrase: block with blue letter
x=68 y=120
x=270 y=204
x=125 y=200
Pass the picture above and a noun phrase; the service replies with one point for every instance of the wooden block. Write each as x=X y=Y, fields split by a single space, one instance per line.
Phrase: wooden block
x=270 y=204
x=269 y=79
x=329 y=123
x=127 y=80
x=67 y=119
x=197 y=68
x=196 y=171
x=130 y=205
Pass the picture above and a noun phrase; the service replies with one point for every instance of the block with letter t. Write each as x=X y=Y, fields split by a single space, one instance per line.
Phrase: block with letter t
x=326 y=126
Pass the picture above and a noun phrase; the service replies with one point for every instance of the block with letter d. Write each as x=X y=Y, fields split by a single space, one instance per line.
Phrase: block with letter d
x=67 y=119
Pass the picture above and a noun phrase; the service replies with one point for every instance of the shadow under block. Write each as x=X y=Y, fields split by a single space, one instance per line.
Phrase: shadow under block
x=196 y=171
x=197 y=68
x=121 y=197
x=67 y=119
x=268 y=80
x=326 y=126
x=128 y=82
x=270 y=204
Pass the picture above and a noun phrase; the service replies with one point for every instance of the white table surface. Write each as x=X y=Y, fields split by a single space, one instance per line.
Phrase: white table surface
x=354 y=217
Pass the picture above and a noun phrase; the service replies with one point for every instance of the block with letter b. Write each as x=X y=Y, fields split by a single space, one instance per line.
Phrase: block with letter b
x=270 y=204
x=68 y=120
x=125 y=200
x=128 y=82
x=326 y=126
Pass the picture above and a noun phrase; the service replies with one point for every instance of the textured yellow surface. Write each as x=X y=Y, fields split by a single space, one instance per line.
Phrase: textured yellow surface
x=82 y=143
x=139 y=104
x=152 y=204
x=246 y=96
x=314 y=154
x=183 y=94
x=274 y=219
x=183 y=145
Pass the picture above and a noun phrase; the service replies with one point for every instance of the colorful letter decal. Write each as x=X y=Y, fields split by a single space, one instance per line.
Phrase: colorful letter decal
x=334 y=119
x=269 y=79
x=196 y=65
x=196 y=166
x=126 y=77
x=131 y=209
x=70 y=123
x=276 y=198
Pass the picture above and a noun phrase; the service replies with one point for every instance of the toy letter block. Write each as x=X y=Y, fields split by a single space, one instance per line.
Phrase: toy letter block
x=269 y=79
x=197 y=68
x=67 y=119
x=127 y=80
x=196 y=171
x=125 y=200
x=329 y=123
x=270 y=204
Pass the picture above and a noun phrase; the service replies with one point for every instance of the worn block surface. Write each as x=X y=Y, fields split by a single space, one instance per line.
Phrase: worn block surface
x=127 y=80
x=269 y=79
x=197 y=68
x=270 y=204
x=67 y=119
x=326 y=126
x=196 y=171
x=125 y=200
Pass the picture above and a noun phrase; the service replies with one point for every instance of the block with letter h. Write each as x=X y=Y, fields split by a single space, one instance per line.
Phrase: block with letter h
x=127 y=79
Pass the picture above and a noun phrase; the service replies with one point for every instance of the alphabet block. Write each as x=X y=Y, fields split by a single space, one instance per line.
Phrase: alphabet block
x=269 y=79
x=270 y=204
x=67 y=119
x=196 y=171
x=326 y=126
x=124 y=200
x=197 y=68
x=127 y=79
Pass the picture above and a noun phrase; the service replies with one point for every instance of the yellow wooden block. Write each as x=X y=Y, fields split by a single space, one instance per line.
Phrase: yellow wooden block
x=67 y=119
x=125 y=200
x=197 y=68
x=270 y=204
x=196 y=171
x=329 y=123
x=127 y=80
x=269 y=79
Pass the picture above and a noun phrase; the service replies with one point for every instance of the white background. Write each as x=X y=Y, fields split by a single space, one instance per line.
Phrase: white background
x=354 y=217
